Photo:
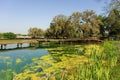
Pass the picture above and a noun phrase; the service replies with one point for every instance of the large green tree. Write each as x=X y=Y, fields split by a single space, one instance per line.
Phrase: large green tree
x=114 y=23
x=103 y=26
x=57 y=27
x=35 y=32
x=113 y=19
x=86 y=24
x=90 y=24
x=75 y=20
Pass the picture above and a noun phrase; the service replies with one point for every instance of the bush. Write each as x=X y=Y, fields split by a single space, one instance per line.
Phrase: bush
x=9 y=35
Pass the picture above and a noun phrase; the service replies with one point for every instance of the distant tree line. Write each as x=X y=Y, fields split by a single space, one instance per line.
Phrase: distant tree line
x=8 y=35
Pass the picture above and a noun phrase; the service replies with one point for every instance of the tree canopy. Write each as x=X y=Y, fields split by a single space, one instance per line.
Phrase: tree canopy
x=77 y=25
x=113 y=19
x=35 y=32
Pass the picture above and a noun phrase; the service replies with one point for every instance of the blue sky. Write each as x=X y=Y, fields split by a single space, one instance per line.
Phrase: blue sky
x=19 y=15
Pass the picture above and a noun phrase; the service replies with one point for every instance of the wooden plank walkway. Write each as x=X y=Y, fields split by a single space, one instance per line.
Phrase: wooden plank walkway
x=31 y=42
x=18 y=44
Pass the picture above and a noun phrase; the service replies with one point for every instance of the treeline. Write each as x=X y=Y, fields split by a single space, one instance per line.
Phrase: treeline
x=78 y=25
x=84 y=24
x=81 y=25
x=7 y=35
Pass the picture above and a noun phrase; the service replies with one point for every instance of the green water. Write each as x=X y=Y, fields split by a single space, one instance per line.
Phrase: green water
x=14 y=61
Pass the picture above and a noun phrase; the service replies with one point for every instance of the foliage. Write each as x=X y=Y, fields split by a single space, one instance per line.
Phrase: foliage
x=113 y=5
x=35 y=32
x=57 y=27
x=103 y=26
x=9 y=35
x=1 y=35
x=113 y=20
x=91 y=24
x=114 y=23
x=78 y=25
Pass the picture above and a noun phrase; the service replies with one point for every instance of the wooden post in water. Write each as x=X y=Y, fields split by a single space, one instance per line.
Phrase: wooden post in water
x=30 y=44
x=1 y=46
x=21 y=45
x=39 y=43
x=17 y=45
x=5 y=46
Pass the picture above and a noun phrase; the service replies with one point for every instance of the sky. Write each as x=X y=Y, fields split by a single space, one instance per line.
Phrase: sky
x=18 y=16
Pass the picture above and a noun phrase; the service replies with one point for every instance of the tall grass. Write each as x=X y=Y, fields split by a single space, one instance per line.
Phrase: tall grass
x=99 y=66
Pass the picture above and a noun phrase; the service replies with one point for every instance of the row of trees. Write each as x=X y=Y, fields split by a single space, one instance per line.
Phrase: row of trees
x=78 y=25
x=84 y=24
x=8 y=35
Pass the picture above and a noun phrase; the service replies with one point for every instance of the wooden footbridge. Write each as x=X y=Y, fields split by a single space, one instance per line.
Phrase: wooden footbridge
x=19 y=44
x=31 y=42
x=68 y=40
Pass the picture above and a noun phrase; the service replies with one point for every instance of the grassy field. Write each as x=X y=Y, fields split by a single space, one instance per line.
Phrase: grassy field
x=75 y=62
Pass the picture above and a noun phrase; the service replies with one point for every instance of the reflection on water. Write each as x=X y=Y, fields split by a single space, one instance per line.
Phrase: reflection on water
x=17 y=59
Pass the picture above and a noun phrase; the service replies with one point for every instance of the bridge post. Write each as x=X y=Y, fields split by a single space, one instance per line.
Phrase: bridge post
x=1 y=46
x=39 y=43
x=5 y=46
x=30 y=44
x=21 y=45
x=17 y=45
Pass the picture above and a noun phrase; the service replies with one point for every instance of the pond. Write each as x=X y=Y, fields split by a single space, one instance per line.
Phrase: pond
x=15 y=60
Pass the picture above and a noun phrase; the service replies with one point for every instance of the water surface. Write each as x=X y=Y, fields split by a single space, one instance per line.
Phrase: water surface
x=15 y=60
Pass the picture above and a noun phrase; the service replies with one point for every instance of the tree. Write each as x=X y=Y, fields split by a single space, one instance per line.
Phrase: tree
x=90 y=24
x=75 y=20
x=35 y=32
x=9 y=35
x=113 y=18
x=114 y=23
x=103 y=26
x=57 y=27
x=85 y=24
